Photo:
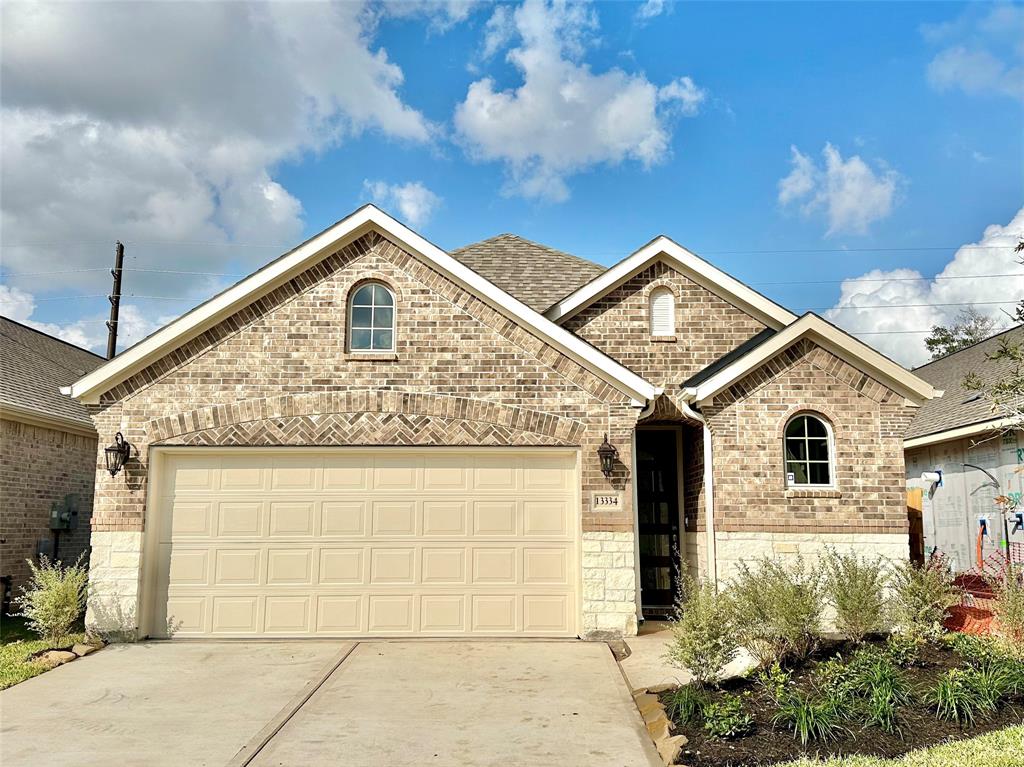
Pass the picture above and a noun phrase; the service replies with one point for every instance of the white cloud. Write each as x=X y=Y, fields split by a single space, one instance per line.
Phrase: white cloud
x=564 y=118
x=851 y=194
x=88 y=332
x=652 y=8
x=166 y=122
x=981 y=54
x=413 y=201
x=992 y=254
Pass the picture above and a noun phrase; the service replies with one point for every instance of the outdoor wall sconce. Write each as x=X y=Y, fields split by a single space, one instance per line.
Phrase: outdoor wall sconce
x=117 y=454
x=607 y=453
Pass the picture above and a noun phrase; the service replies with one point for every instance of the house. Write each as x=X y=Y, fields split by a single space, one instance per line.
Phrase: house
x=371 y=436
x=47 y=452
x=979 y=458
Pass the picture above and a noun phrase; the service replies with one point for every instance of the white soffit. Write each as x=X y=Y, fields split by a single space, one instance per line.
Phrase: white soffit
x=367 y=218
x=828 y=336
x=696 y=268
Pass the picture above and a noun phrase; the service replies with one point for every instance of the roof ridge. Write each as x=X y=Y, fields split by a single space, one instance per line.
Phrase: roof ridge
x=970 y=346
x=52 y=337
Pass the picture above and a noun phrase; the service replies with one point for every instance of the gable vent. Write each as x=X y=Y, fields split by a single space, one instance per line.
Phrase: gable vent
x=663 y=312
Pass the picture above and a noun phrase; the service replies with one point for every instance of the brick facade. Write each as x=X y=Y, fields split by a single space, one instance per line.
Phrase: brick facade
x=707 y=327
x=39 y=466
x=278 y=373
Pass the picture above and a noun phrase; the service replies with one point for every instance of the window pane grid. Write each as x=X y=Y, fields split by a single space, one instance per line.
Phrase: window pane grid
x=807 y=452
x=372 y=319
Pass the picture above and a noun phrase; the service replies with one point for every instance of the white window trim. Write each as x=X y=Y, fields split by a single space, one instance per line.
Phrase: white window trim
x=662 y=290
x=829 y=435
x=394 y=320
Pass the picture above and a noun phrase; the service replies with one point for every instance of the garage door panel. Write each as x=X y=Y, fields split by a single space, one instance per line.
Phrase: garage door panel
x=393 y=517
x=343 y=518
x=341 y=566
x=240 y=519
x=289 y=567
x=348 y=543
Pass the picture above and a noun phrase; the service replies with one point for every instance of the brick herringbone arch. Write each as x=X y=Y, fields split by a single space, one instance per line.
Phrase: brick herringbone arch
x=364 y=416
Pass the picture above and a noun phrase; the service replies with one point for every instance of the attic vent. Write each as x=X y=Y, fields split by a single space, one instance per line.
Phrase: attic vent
x=663 y=312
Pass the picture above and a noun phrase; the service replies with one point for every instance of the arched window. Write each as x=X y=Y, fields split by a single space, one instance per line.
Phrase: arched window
x=809 y=452
x=371 y=319
x=663 y=312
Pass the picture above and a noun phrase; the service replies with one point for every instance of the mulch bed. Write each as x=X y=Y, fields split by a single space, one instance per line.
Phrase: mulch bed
x=770 y=745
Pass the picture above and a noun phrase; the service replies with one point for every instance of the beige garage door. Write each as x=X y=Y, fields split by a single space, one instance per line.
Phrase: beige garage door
x=375 y=542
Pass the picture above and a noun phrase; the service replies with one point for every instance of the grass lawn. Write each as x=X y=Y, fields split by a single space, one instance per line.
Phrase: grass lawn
x=17 y=643
x=1002 y=748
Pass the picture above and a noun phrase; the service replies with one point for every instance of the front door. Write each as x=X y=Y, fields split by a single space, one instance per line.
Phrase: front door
x=658 y=511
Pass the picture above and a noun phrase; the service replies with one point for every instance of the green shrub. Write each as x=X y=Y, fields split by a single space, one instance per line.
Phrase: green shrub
x=855 y=587
x=54 y=599
x=922 y=597
x=777 y=609
x=1009 y=610
x=726 y=718
x=817 y=718
x=902 y=649
x=703 y=636
x=774 y=680
x=955 y=697
x=686 y=704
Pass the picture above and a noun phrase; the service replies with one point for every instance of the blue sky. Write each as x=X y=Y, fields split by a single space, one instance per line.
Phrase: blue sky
x=881 y=136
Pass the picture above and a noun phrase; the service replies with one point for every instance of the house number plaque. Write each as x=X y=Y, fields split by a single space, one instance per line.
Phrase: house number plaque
x=606 y=502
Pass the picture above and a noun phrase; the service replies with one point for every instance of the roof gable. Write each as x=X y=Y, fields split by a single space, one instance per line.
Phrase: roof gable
x=33 y=368
x=697 y=269
x=535 y=274
x=702 y=387
x=365 y=219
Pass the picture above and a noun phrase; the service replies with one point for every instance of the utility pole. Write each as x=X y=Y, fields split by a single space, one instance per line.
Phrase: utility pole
x=115 y=301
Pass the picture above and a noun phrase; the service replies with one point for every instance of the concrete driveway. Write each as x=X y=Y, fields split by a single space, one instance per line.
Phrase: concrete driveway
x=473 y=703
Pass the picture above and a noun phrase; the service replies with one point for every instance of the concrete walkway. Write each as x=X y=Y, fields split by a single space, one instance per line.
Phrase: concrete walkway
x=317 y=703
x=646 y=666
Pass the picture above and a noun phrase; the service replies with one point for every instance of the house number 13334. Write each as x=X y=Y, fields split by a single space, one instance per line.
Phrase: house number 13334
x=607 y=501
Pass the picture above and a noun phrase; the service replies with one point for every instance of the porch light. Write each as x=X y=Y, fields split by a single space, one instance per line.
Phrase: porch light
x=117 y=454
x=607 y=453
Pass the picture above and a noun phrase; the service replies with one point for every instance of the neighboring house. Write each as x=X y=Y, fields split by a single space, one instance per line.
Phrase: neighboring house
x=961 y=428
x=47 y=450
x=371 y=436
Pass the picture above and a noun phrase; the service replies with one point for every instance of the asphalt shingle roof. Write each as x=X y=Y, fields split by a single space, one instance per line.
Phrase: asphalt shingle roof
x=33 y=367
x=535 y=274
x=957 y=406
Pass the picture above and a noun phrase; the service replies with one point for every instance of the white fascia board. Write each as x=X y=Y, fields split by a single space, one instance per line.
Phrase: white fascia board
x=829 y=337
x=971 y=430
x=188 y=326
x=693 y=266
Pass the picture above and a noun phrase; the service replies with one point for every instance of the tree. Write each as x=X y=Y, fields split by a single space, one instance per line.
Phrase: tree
x=1007 y=393
x=969 y=327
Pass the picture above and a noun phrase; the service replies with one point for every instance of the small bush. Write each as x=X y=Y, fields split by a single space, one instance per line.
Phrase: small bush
x=903 y=650
x=774 y=681
x=726 y=719
x=686 y=704
x=1009 y=609
x=54 y=599
x=703 y=636
x=955 y=697
x=777 y=609
x=855 y=586
x=811 y=718
x=922 y=597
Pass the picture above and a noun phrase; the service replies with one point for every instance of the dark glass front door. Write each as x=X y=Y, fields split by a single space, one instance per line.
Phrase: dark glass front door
x=658 y=509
